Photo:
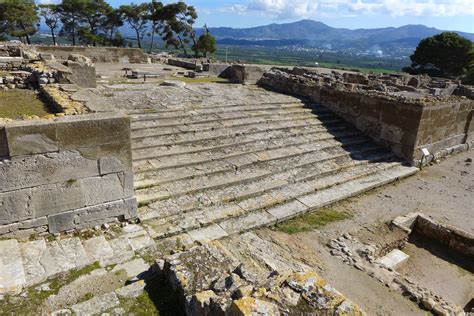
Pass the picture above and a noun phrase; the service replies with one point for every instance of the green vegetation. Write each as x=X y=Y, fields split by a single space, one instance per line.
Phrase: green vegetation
x=444 y=55
x=312 y=220
x=19 y=103
x=274 y=56
x=31 y=304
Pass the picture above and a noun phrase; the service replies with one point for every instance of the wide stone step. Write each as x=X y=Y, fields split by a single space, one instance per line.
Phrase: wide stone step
x=218 y=143
x=12 y=274
x=199 y=121
x=195 y=158
x=280 y=185
x=219 y=135
x=205 y=109
x=198 y=127
x=283 y=170
x=185 y=132
x=194 y=117
x=267 y=159
x=232 y=218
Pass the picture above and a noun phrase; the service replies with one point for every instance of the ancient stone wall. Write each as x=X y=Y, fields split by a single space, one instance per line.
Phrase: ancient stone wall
x=245 y=74
x=97 y=54
x=402 y=122
x=70 y=173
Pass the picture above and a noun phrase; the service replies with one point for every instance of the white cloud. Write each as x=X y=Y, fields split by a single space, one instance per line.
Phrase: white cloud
x=284 y=9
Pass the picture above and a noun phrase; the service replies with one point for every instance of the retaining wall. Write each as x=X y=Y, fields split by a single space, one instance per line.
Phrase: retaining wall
x=71 y=173
x=403 y=125
x=97 y=54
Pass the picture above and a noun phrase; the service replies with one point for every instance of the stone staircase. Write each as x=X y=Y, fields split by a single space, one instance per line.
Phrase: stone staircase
x=217 y=170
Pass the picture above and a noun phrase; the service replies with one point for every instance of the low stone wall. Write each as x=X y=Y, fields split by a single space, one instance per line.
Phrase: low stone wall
x=404 y=124
x=71 y=173
x=97 y=54
x=186 y=64
x=452 y=237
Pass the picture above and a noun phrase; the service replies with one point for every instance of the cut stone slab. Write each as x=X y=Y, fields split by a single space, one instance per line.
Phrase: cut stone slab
x=287 y=210
x=98 y=248
x=32 y=252
x=247 y=222
x=394 y=259
x=12 y=275
x=122 y=251
x=64 y=255
x=132 y=290
x=173 y=83
x=136 y=268
x=207 y=233
x=96 y=305
x=139 y=239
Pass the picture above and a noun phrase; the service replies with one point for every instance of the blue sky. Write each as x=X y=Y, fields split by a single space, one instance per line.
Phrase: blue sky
x=442 y=14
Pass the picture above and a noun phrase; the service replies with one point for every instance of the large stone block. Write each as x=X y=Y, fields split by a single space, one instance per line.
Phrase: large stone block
x=58 y=197
x=16 y=206
x=28 y=137
x=105 y=188
x=36 y=170
x=93 y=215
x=91 y=130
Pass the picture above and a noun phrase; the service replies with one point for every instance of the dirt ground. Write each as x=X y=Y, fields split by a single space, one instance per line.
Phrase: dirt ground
x=442 y=191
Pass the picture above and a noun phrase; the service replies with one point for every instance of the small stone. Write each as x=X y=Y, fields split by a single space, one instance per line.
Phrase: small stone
x=469 y=159
x=105 y=226
x=428 y=303
x=243 y=291
x=132 y=290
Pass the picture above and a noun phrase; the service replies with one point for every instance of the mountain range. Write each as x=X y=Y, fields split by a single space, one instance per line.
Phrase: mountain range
x=314 y=33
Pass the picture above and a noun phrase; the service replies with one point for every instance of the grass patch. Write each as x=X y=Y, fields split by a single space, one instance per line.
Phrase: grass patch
x=201 y=79
x=15 y=104
x=312 y=220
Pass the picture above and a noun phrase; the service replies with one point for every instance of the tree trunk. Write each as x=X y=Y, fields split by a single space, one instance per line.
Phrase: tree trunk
x=182 y=45
x=138 y=39
x=54 y=37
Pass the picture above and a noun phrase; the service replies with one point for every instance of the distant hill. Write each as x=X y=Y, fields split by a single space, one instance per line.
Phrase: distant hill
x=315 y=33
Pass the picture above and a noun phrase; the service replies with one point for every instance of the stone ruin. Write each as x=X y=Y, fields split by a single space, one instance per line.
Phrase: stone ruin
x=73 y=171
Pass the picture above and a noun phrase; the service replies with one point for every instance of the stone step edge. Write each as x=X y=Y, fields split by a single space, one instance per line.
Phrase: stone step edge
x=145 y=200
x=352 y=133
x=233 y=144
x=220 y=121
x=232 y=134
x=218 y=231
x=322 y=188
x=190 y=114
x=358 y=142
x=298 y=103
x=142 y=184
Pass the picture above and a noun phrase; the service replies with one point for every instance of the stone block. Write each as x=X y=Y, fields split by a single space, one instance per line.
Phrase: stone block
x=102 y=189
x=81 y=131
x=36 y=170
x=31 y=137
x=93 y=215
x=16 y=206
x=58 y=197
x=96 y=305
x=394 y=259
x=12 y=276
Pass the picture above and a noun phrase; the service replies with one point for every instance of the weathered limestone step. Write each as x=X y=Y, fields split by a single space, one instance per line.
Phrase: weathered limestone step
x=272 y=153
x=174 y=214
x=12 y=275
x=29 y=263
x=275 y=160
x=211 y=117
x=215 y=120
x=222 y=109
x=309 y=203
x=199 y=127
x=170 y=133
x=218 y=137
x=167 y=161
x=282 y=171
x=161 y=151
